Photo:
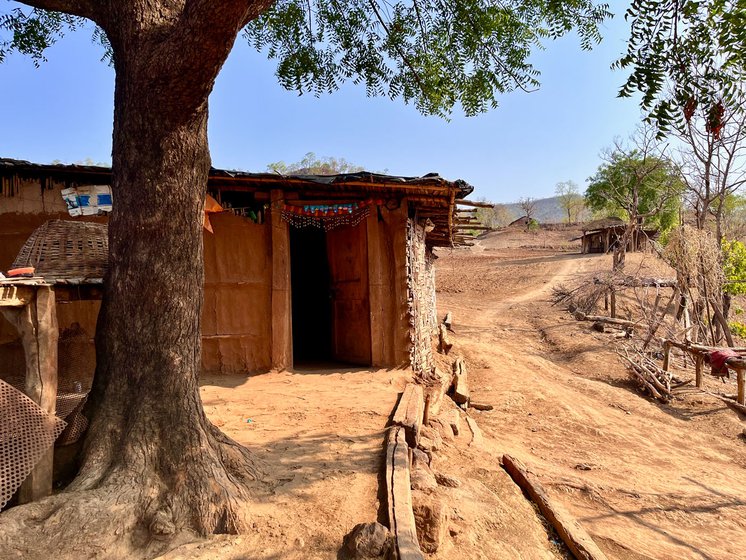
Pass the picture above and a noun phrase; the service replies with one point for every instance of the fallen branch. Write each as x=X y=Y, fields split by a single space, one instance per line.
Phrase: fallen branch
x=580 y=316
x=569 y=530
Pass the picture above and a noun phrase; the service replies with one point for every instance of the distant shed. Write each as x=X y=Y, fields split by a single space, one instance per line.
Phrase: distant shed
x=602 y=236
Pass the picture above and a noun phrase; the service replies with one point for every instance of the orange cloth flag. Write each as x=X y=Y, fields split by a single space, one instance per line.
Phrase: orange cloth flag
x=211 y=207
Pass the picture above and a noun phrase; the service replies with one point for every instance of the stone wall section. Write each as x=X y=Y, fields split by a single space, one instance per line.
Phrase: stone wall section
x=423 y=321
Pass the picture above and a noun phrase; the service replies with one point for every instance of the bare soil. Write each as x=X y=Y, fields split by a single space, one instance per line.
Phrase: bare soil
x=646 y=480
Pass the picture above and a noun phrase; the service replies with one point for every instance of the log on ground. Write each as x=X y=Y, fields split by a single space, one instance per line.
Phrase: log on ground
x=569 y=530
x=409 y=412
x=399 y=495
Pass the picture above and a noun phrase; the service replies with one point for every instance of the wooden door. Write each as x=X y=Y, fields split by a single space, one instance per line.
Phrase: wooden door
x=347 y=251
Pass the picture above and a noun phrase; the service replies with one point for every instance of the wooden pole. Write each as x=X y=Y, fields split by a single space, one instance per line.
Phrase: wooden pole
x=666 y=355
x=613 y=304
x=282 y=311
x=741 y=393
x=698 y=362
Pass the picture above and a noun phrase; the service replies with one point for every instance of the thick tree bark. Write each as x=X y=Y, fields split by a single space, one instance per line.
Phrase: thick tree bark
x=147 y=417
x=152 y=463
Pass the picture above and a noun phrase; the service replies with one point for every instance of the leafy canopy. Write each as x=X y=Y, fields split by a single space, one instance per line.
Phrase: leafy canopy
x=734 y=267
x=631 y=186
x=686 y=56
x=436 y=54
x=433 y=53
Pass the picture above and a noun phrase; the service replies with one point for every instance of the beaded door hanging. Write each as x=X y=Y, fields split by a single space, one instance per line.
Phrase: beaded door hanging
x=328 y=216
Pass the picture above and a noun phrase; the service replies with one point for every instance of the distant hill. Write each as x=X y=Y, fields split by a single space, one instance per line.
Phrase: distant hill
x=548 y=210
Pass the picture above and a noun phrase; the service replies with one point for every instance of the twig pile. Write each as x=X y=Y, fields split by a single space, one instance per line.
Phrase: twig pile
x=651 y=377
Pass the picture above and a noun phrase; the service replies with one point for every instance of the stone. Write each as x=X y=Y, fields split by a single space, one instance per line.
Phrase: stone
x=432 y=438
x=431 y=520
x=447 y=480
x=443 y=428
x=367 y=541
x=454 y=419
x=419 y=456
x=422 y=478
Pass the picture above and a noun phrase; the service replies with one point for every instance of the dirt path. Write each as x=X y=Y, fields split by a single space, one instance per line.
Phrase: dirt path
x=648 y=481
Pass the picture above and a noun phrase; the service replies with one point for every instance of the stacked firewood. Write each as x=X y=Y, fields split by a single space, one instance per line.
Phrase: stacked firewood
x=651 y=377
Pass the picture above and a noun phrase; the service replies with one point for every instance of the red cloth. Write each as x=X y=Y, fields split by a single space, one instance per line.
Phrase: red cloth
x=718 y=359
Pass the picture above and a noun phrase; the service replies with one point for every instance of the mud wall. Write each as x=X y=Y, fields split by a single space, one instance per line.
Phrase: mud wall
x=23 y=209
x=423 y=321
x=237 y=312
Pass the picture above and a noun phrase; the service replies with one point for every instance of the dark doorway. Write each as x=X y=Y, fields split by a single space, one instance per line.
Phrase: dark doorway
x=310 y=286
x=329 y=283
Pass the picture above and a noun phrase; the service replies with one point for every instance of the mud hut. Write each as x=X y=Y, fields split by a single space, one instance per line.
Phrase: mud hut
x=603 y=235
x=301 y=269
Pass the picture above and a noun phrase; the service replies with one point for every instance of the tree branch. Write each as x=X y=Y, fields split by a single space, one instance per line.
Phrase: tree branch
x=89 y=9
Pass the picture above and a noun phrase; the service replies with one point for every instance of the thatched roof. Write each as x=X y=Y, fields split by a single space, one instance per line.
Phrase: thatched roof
x=603 y=223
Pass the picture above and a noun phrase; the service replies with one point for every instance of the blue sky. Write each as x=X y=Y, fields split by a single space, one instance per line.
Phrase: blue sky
x=63 y=111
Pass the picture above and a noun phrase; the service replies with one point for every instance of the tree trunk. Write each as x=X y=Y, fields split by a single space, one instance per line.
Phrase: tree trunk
x=147 y=416
x=153 y=468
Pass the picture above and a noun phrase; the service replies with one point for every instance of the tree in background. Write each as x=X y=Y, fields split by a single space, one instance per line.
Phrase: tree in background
x=734 y=217
x=638 y=184
x=528 y=207
x=570 y=199
x=312 y=165
x=498 y=216
x=152 y=464
x=713 y=164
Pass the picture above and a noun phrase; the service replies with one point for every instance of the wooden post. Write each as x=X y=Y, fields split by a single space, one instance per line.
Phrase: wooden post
x=378 y=291
x=282 y=310
x=613 y=303
x=36 y=323
x=666 y=354
x=698 y=362
x=740 y=380
x=398 y=291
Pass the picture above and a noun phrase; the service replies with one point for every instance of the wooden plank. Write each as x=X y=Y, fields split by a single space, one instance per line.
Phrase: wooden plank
x=282 y=311
x=474 y=204
x=409 y=413
x=569 y=530
x=399 y=493
x=37 y=325
x=16 y=296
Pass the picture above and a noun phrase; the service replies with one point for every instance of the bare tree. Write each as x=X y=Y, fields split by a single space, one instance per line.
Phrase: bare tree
x=528 y=206
x=713 y=163
x=570 y=199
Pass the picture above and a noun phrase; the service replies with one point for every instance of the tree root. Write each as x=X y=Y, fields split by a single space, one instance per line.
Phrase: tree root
x=140 y=513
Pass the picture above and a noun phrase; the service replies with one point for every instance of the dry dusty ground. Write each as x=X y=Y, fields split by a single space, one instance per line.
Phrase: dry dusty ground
x=662 y=481
x=646 y=480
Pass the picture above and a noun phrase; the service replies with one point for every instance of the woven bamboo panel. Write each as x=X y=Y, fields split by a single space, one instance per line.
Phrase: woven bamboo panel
x=65 y=249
